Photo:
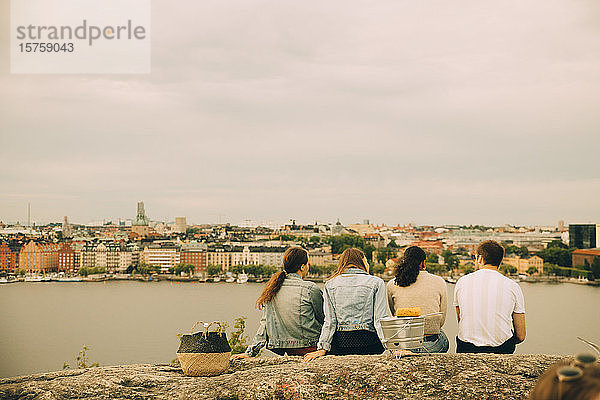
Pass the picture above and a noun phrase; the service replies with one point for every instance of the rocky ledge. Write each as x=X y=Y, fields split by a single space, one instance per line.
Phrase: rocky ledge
x=444 y=376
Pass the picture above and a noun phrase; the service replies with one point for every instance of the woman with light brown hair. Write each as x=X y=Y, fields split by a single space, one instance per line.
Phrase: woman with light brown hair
x=576 y=379
x=292 y=310
x=354 y=303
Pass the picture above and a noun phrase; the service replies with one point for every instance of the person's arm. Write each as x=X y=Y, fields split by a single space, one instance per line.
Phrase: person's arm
x=327 y=331
x=329 y=324
x=260 y=339
x=390 y=298
x=380 y=308
x=316 y=298
x=455 y=301
x=518 y=315
x=443 y=304
x=519 y=325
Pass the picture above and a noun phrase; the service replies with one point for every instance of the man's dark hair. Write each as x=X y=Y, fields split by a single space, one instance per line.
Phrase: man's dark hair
x=491 y=251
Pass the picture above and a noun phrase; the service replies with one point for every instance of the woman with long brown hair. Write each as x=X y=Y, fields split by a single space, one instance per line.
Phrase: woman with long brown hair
x=413 y=286
x=354 y=304
x=292 y=310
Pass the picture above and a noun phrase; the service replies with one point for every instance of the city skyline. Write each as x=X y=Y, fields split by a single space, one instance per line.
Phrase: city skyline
x=221 y=219
x=431 y=113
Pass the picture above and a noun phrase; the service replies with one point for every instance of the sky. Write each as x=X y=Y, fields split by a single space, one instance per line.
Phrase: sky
x=431 y=112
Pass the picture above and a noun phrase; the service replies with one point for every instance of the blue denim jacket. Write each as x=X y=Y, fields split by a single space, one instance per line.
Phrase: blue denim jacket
x=292 y=319
x=353 y=301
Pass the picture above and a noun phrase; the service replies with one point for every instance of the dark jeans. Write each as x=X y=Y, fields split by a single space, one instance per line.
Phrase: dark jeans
x=507 y=347
x=294 y=352
x=355 y=342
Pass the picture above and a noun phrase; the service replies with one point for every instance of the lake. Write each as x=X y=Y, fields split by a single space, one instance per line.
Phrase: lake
x=43 y=325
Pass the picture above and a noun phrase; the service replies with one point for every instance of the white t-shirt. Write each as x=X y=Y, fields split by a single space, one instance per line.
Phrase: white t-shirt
x=487 y=299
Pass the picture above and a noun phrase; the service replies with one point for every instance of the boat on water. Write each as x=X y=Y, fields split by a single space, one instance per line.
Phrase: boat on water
x=10 y=279
x=70 y=279
x=216 y=279
x=242 y=278
x=231 y=279
x=34 y=278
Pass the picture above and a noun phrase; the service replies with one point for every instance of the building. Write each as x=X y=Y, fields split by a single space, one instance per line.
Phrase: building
x=219 y=257
x=165 y=256
x=522 y=264
x=584 y=257
x=430 y=246
x=140 y=225
x=245 y=257
x=584 y=236
x=229 y=256
x=320 y=258
x=39 y=257
x=9 y=256
x=180 y=225
x=66 y=229
x=197 y=258
x=113 y=257
x=68 y=261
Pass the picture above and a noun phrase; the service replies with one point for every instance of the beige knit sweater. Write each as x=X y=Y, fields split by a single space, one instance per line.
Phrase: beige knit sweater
x=428 y=292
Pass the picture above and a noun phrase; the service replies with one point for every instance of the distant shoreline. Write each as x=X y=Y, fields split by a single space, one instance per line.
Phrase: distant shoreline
x=173 y=278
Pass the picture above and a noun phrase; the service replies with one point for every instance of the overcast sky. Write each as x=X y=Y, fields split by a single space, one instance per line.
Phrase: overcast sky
x=429 y=112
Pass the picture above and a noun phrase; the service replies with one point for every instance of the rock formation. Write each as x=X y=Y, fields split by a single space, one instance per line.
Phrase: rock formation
x=447 y=376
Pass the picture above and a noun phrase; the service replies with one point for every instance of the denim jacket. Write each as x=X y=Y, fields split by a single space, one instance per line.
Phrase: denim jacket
x=292 y=319
x=353 y=301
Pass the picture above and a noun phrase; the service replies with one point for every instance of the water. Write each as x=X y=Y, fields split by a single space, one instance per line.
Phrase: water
x=43 y=325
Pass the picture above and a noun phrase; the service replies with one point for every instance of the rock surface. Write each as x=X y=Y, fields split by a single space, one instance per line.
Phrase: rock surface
x=444 y=376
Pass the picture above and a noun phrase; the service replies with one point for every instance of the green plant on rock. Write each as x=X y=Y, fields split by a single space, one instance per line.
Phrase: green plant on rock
x=237 y=339
x=82 y=360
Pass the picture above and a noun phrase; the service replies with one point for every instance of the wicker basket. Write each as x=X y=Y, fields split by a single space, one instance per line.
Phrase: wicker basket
x=203 y=364
x=204 y=353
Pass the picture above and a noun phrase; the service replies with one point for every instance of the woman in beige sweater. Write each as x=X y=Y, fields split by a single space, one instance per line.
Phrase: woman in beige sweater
x=415 y=287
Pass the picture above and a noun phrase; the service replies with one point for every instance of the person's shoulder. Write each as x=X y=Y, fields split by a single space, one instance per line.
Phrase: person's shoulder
x=332 y=282
x=465 y=278
x=513 y=285
x=391 y=282
x=435 y=278
x=311 y=285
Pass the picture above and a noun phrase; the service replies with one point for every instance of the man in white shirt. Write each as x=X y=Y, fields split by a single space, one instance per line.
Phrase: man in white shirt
x=490 y=307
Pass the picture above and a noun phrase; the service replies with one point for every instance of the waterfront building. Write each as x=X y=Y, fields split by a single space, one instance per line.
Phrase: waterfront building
x=229 y=256
x=9 y=255
x=269 y=255
x=584 y=236
x=197 y=258
x=581 y=257
x=194 y=253
x=141 y=223
x=320 y=258
x=522 y=264
x=39 y=257
x=67 y=259
x=164 y=256
x=219 y=257
x=113 y=257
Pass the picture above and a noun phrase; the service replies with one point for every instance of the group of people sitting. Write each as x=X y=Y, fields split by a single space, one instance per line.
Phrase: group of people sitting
x=298 y=318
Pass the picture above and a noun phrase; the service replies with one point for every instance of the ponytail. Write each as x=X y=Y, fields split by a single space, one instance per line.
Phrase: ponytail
x=407 y=270
x=293 y=259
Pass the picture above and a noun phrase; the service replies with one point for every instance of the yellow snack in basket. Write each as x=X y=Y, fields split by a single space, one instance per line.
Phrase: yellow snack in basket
x=408 y=312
